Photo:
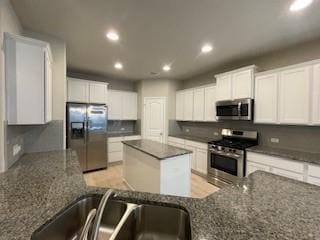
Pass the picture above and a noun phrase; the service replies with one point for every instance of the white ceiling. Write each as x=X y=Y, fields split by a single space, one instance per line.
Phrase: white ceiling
x=155 y=32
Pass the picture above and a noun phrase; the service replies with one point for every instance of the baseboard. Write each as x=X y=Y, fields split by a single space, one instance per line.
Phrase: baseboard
x=112 y=164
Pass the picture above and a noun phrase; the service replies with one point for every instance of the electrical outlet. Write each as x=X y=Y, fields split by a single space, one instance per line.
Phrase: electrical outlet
x=216 y=134
x=122 y=129
x=187 y=130
x=16 y=149
x=275 y=140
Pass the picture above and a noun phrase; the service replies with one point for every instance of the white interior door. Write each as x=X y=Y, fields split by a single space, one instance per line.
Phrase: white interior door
x=154 y=119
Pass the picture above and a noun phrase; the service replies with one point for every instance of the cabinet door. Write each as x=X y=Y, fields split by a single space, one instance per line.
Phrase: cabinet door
x=252 y=167
x=48 y=80
x=242 y=84
x=224 y=88
x=198 y=104
x=188 y=105
x=114 y=105
x=202 y=161
x=266 y=99
x=78 y=90
x=316 y=95
x=210 y=104
x=179 y=105
x=129 y=106
x=288 y=174
x=294 y=94
x=97 y=92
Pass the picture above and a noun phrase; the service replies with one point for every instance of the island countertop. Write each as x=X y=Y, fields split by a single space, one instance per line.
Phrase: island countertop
x=262 y=206
x=155 y=149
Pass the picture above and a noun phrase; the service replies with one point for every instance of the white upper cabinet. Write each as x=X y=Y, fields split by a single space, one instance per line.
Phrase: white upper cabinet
x=236 y=84
x=198 y=104
x=224 y=88
x=266 y=98
x=210 y=104
x=122 y=105
x=242 y=84
x=85 y=91
x=98 y=92
x=130 y=105
x=316 y=95
x=114 y=105
x=294 y=96
x=289 y=95
x=28 y=80
x=78 y=90
x=179 y=105
x=188 y=105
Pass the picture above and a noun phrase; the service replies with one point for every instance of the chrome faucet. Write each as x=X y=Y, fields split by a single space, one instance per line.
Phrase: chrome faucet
x=97 y=220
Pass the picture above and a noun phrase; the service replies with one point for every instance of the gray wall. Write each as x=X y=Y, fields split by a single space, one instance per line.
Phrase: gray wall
x=113 y=83
x=293 y=55
x=116 y=126
x=304 y=138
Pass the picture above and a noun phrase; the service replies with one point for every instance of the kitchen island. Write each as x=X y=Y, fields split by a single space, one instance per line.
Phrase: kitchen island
x=155 y=167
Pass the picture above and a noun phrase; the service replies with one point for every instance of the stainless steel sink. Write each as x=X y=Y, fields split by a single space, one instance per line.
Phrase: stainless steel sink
x=121 y=221
x=67 y=224
x=149 y=222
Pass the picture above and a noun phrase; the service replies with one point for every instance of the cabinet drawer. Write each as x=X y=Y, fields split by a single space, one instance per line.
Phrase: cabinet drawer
x=115 y=147
x=314 y=171
x=128 y=138
x=288 y=174
x=252 y=167
x=115 y=156
x=115 y=139
x=197 y=144
x=176 y=140
x=313 y=180
x=277 y=162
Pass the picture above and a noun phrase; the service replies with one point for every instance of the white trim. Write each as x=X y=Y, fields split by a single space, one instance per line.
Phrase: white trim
x=251 y=67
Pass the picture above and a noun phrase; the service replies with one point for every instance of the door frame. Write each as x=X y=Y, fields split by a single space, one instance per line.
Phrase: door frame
x=165 y=130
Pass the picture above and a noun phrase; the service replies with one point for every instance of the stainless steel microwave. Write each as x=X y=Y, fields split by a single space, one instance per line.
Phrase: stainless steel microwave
x=240 y=109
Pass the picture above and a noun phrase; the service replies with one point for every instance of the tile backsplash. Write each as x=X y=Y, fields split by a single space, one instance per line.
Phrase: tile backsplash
x=117 y=126
x=303 y=138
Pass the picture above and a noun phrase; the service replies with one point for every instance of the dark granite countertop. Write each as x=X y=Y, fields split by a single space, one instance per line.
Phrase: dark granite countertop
x=195 y=138
x=155 y=149
x=262 y=206
x=287 y=153
x=122 y=134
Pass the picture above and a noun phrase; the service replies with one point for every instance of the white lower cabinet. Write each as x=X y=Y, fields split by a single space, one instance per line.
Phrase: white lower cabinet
x=297 y=170
x=115 y=147
x=199 y=157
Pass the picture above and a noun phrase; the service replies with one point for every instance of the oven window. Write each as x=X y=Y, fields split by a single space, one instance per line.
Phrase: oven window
x=229 y=110
x=225 y=164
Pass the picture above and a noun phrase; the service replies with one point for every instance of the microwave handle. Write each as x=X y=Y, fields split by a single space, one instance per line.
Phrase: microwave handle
x=239 y=109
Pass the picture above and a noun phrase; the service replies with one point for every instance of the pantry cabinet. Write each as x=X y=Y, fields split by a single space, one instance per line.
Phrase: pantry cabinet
x=198 y=104
x=188 y=105
x=28 y=67
x=236 y=84
x=122 y=105
x=210 y=104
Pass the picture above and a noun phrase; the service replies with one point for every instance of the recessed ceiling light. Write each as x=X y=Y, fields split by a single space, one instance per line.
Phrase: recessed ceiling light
x=118 y=65
x=113 y=36
x=166 y=68
x=206 y=48
x=298 y=5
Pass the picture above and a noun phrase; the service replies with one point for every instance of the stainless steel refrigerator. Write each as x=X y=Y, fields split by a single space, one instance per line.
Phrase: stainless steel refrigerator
x=87 y=134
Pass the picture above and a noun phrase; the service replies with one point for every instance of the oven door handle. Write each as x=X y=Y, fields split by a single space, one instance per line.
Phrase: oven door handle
x=225 y=154
x=239 y=109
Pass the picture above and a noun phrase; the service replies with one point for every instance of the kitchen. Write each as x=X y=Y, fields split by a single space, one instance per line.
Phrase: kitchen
x=219 y=135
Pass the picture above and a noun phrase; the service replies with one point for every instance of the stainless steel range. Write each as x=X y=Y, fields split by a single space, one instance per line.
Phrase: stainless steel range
x=227 y=157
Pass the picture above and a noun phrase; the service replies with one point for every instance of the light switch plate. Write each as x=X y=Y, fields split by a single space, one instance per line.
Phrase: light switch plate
x=216 y=134
x=275 y=140
x=187 y=130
